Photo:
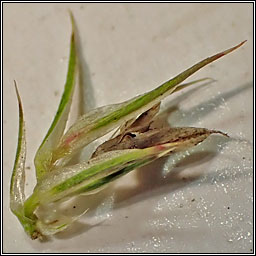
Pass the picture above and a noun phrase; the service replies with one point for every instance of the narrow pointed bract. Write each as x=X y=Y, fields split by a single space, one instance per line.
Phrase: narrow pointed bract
x=17 y=186
x=43 y=159
x=17 y=194
x=94 y=125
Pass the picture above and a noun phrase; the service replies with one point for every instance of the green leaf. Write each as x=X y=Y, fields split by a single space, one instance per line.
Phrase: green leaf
x=17 y=195
x=98 y=185
x=65 y=182
x=61 y=183
x=176 y=138
x=43 y=158
x=101 y=121
x=145 y=119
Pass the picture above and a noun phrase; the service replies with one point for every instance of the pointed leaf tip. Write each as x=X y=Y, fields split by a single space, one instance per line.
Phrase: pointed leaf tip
x=43 y=158
x=17 y=194
x=71 y=18
x=102 y=120
x=230 y=49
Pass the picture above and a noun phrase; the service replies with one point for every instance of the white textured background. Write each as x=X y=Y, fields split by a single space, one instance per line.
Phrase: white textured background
x=200 y=203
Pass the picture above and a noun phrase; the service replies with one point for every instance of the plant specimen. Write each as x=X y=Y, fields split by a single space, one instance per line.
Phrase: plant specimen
x=136 y=143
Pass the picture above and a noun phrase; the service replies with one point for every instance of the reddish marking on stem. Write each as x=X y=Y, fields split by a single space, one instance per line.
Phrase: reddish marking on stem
x=219 y=55
x=71 y=138
x=160 y=147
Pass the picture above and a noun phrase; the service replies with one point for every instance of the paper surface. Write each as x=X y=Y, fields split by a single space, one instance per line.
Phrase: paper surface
x=198 y=201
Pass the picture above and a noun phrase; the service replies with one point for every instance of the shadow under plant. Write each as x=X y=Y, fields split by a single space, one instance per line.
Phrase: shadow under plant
x=150 y=179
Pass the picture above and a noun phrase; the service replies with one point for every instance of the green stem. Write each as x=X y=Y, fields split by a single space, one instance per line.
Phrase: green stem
x=30 y=206
x=103 y=181
x=29 y=225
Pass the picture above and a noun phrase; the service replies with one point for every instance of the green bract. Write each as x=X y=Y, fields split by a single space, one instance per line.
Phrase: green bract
x=136 y=143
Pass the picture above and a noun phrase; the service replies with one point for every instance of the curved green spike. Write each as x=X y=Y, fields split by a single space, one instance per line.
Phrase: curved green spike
x=102 y=120
x=17 y=195
x=43 y=158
